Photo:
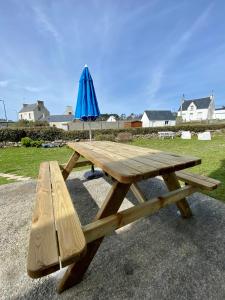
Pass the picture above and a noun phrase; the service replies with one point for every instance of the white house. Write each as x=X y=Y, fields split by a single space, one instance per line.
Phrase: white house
x=219 y=113
x=33 y=112
x=111 y=119
x=197 y=109
x=158 y=118
x=60 y=121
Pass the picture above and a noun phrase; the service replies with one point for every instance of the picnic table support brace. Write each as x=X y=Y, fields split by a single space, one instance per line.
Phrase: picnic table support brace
x=173 y=184
x=76 y=271
x=70 y=165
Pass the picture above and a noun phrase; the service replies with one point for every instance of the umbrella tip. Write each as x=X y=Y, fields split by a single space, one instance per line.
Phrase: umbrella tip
x=85 y=66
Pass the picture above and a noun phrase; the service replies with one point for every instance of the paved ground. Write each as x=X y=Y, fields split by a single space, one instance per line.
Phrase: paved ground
x=159 y=257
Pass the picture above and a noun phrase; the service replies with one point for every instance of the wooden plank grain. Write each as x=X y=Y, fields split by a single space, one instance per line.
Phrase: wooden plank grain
x=43 y=255
x=71 y=240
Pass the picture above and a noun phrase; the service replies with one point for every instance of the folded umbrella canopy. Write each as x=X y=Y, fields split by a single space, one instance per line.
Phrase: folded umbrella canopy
x=87 y=105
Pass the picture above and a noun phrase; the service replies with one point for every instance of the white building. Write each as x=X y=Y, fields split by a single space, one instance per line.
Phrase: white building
x=111 y=119
x=60 y=121
x=158 y=118
x=33 y=112
x=197 y=109
x=219 y=113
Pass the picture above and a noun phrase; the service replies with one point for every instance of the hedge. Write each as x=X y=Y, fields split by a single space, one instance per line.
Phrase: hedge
x=52 y=133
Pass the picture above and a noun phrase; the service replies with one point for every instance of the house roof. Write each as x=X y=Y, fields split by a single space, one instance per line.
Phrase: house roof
x=201 y=103
x=160 y=115
x=28 y=107
x=60 y=118
x=220 y=108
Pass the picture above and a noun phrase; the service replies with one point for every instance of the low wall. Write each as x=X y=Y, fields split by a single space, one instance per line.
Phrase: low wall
x=96 y=125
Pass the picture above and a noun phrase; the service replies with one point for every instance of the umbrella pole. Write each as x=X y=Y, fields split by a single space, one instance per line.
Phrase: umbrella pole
x=90 y=137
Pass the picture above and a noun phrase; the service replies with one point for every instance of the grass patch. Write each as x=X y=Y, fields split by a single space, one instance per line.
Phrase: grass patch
x=211 y=152
x=26 y=161
x=3 y=180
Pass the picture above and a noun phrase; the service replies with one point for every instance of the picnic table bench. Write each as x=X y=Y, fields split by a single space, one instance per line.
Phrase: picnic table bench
x=58 y=239
x=166 y=134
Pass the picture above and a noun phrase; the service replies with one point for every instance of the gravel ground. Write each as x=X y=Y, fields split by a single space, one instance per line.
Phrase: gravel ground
x=158 y=257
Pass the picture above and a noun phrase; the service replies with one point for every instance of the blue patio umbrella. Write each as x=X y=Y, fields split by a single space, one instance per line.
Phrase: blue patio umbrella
x=87 y=105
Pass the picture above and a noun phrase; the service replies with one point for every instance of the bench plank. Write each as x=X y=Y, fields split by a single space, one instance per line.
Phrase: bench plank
x=43 y=255
x=201 y=181
x=72 y=243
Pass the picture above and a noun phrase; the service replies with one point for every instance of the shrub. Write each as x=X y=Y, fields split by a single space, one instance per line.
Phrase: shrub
x=26 y=142
x=105 y=137
x=124 y=137
x=37 y=143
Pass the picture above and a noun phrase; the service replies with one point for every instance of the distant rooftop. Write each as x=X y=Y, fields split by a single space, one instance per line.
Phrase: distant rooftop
x=60 y=118
x=31 y=107
x=160 y=115
x=201 y=103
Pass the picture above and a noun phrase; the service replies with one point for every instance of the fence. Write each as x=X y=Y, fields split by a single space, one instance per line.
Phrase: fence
x=96 y=125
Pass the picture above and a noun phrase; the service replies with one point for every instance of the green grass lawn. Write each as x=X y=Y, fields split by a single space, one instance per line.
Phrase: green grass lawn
x=211 y=152
x=26 y=161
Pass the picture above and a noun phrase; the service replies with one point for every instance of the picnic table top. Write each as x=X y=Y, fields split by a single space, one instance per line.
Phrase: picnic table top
x=128 y=163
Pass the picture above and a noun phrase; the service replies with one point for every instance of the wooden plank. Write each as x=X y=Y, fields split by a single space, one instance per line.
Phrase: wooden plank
x=118 y=170
x=137 y=192
x=43 y=255
x=70 y=165
x=153 y=157
x=71 y=240
x=107 y=225
x=198 y=180
x=78 y=164
x=75 y=272
x=173 y=184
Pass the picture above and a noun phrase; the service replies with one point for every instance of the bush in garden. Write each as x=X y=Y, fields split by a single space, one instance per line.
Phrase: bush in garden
x=105 y=137
x=124 y=137
x=26 y=142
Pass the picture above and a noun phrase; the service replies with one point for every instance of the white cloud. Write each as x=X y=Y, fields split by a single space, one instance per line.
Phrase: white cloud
x=33 y=89
x=4 y=83
x=174 y=51
x=46 y=24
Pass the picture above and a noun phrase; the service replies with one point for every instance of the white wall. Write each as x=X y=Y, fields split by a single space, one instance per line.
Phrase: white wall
x=219 y=114
x=148 y=123
x=27 y=116
x=60 y=125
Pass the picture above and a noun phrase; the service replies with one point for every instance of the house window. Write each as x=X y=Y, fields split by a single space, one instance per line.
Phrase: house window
x=166 y=122
x=29 y=116
x=192 y=107
x=39 y=109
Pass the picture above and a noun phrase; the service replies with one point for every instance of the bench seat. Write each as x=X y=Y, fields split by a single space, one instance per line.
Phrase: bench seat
x=56 y=237
x=200 y=181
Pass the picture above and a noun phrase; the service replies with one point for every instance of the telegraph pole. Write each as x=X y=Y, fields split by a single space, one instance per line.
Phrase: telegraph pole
x=181 y=107
x=4 y=111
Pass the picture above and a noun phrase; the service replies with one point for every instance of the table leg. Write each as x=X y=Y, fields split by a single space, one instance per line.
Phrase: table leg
x=76 y=271
x=70 y=165
x=172 y=183
x=138 y=193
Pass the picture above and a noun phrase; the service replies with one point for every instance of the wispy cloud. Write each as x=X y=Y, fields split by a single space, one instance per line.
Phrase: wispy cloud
x=33 y=89
x=45 y=24
x=4 y=83
x=174 y=51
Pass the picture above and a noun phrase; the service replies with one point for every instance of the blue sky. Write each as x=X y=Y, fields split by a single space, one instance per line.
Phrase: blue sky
x=141 y=54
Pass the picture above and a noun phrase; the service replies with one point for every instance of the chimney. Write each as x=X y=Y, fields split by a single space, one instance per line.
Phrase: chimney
x=40 y=103
x=69 y=110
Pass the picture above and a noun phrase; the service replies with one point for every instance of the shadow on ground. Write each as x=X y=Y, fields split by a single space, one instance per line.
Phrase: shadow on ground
x=157 y=257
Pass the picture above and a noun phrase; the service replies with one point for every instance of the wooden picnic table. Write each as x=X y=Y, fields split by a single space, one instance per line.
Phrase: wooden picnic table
x=57 y=237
